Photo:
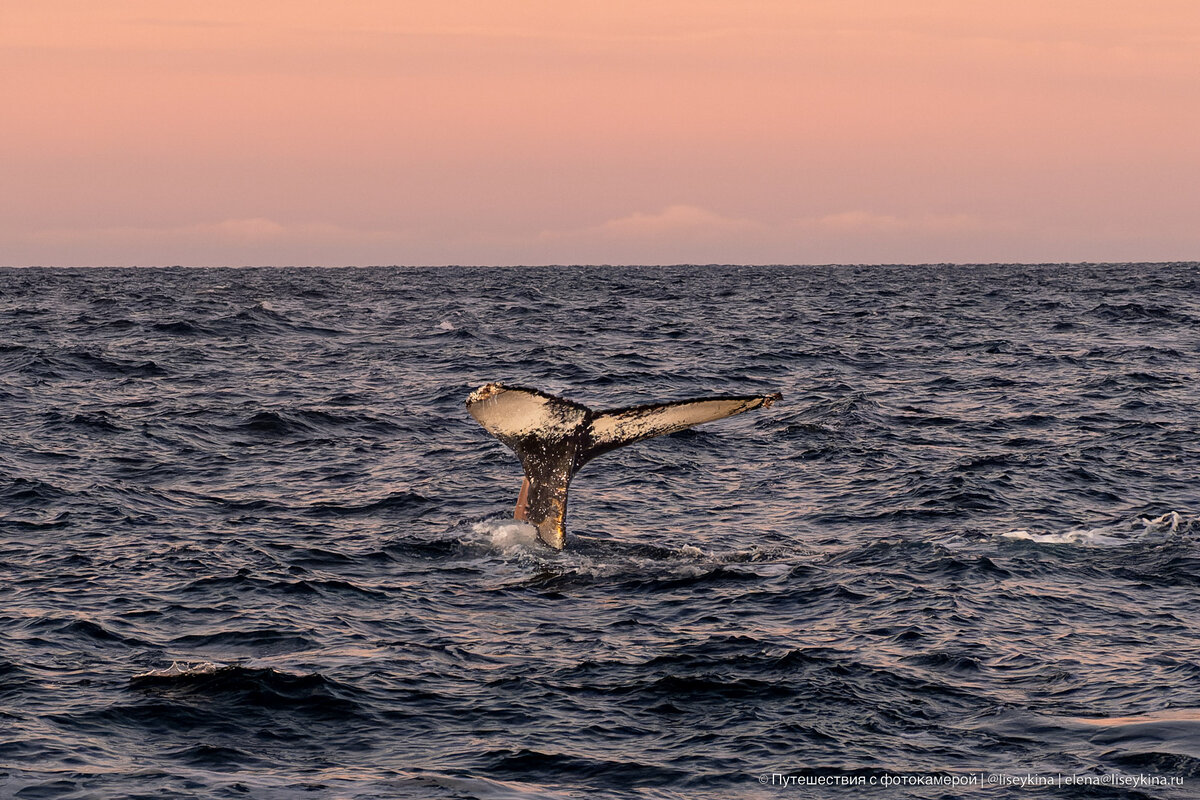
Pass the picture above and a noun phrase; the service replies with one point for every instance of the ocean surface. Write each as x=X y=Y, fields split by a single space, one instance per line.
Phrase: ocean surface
x=253 y=546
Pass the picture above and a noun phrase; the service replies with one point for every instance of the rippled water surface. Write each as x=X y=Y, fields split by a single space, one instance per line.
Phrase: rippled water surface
x=251 y=544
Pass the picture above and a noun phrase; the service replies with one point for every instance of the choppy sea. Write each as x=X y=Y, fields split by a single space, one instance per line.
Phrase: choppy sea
x=253 y=546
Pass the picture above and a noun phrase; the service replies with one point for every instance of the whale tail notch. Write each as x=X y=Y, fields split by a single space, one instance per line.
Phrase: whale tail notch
x=554 y=437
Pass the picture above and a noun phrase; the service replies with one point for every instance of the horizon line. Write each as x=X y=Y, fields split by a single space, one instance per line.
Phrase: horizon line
x=815 y=265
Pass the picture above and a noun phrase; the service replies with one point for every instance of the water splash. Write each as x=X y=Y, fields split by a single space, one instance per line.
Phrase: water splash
x=509 y=534
x=1141 y=530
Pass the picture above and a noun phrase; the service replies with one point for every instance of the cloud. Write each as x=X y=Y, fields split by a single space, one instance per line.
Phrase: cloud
x=684 y=233
x=674 y=234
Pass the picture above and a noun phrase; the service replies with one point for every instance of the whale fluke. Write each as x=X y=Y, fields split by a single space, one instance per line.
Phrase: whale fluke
x=554 y=437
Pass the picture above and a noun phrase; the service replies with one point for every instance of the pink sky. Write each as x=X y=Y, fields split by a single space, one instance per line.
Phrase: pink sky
x=142 y=132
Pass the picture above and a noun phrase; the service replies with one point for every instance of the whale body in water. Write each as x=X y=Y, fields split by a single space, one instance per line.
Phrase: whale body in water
x=554 y=437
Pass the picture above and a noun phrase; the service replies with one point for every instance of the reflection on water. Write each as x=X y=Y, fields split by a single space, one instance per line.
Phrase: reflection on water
x=251 y=544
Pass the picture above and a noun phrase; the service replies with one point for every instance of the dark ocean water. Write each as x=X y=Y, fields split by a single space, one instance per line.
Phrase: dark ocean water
x=252 y=545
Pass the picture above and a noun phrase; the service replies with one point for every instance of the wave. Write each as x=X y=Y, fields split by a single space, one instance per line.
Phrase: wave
x=1163 y=742
x=275 y=423
x=180 y=328
x=1140 y=312
x=245 y=583
x=289 y=421
x=90 y=420
x=259 y=688
x=263 y=317
x=538 y=765
x=261 y=641
x=214 y=757
x=110 y=365
x=85 y=630
x=1141 y=530
x=83 y=363
x=15 y=682
x=18 y=492
x=397 y=501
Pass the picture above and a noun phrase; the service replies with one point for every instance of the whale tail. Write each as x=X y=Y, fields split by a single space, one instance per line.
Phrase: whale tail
x=554 y=437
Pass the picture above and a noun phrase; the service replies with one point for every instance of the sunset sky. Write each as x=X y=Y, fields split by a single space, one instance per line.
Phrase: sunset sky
x=139 y=132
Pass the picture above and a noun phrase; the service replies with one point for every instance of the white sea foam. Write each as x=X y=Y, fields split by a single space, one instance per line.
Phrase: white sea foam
x=604 y=558
x=446 y=325
x=177 y=668
x=1095 y=538
x=1139 y=530
x=505 y=534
